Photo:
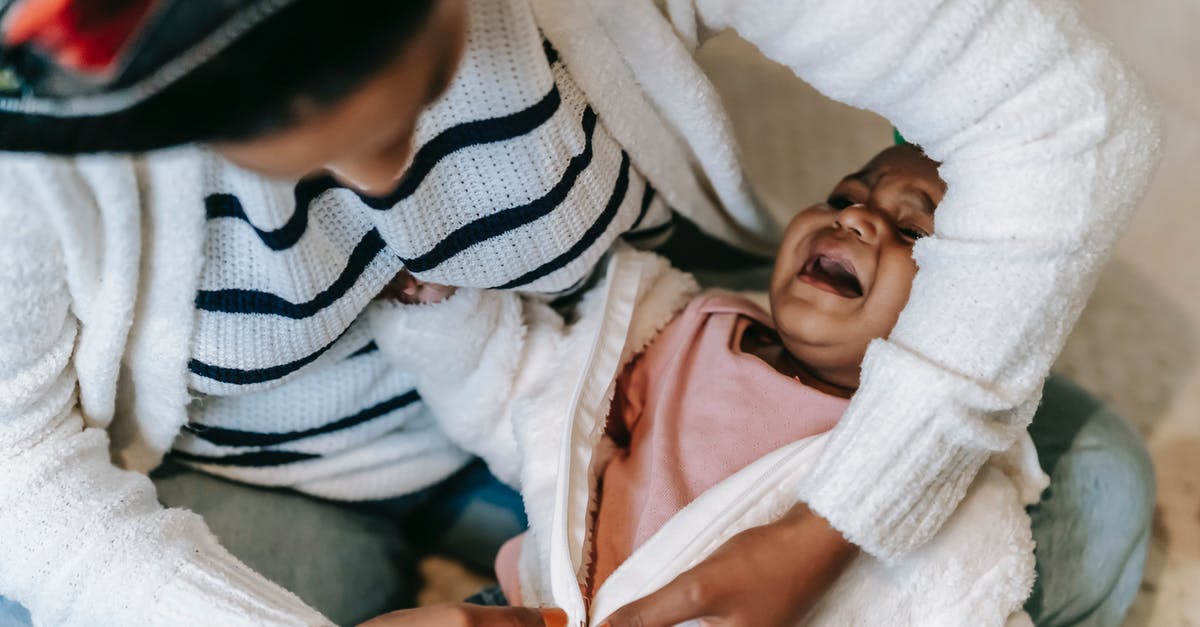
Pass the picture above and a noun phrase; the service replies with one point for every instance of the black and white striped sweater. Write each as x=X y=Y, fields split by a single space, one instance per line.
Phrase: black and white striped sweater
x=290 y=388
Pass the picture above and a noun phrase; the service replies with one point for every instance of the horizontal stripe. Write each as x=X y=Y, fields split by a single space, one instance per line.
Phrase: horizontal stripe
x=589 y=237
x=453 y=139
x=588 y=281
x=371 y=347
x=255 y=459
x=242 y=301
x=570 y=289
x=505 y=220
x=449 y=141
x=230 y=206
x=650 y=233
x=647 y=198
x=236 y=376
x=286 y=236
x=235 y=437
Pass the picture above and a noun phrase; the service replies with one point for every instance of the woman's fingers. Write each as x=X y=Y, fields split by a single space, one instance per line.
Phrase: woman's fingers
x=769 y=575
x=686 y=598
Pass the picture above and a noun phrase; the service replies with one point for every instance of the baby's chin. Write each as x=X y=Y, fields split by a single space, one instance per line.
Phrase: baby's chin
x=834 y=363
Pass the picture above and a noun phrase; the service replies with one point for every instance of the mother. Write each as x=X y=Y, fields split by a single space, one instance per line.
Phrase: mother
x=180 y=303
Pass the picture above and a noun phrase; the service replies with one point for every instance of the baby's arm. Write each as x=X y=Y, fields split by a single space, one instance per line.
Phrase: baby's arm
x=478 y=354
x=474 y=352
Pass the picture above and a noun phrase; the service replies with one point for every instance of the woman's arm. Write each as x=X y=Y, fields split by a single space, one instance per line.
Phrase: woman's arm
x=1047 y=142
x=796 y=559
x=83 y=542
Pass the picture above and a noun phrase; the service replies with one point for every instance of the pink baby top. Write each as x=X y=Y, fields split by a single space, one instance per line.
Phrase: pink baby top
x=690 y=411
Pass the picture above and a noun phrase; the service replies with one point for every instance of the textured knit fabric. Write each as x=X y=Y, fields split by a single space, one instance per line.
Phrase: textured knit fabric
x=292 y=392
x=1046 y=143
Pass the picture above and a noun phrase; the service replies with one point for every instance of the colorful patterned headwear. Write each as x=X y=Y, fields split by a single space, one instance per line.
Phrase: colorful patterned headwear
x=84 y=36
x=71 y=58
x=80 y=76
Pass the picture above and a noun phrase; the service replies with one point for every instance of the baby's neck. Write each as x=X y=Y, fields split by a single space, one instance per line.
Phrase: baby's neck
x=764 y=344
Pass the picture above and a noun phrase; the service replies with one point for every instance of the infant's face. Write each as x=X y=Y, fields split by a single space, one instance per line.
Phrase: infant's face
x=845 y=267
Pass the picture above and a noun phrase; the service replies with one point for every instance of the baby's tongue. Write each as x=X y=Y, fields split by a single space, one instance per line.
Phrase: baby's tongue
x=837 y=276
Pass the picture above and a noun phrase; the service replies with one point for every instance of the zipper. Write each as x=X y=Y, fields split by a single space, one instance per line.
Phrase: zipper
x=567 y=544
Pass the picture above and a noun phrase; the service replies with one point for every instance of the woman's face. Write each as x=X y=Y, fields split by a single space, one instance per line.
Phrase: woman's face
x=365 y=140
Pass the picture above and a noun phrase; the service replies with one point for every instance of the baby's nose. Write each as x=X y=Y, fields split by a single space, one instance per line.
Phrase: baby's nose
x=859 y=219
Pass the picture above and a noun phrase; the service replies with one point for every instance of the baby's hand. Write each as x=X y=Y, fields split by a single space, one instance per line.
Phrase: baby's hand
x=410 y=291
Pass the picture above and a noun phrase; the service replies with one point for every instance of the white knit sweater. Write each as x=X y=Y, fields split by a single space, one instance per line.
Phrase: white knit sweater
x=289 y=389
x=1046 y=142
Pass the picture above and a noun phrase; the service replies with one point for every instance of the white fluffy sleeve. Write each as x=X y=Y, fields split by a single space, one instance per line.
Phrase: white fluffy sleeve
x=84 y=543
x=473 y=355
x=1047 y=142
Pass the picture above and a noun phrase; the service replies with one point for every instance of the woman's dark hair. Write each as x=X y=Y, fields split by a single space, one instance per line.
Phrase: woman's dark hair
x=311 y=50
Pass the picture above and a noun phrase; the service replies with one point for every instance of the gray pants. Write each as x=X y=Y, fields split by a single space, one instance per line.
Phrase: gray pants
x=1091 y=527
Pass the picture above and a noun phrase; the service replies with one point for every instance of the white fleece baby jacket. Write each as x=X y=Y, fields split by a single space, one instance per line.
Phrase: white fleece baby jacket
x=514 y=384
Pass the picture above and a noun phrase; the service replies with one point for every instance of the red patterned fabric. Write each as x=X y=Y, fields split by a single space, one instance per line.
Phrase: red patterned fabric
x=84 y=35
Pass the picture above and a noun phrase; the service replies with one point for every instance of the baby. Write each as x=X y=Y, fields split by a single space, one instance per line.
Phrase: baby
x=662 y=422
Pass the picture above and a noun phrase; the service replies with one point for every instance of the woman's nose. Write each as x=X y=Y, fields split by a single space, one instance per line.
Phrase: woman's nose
x=864 y=222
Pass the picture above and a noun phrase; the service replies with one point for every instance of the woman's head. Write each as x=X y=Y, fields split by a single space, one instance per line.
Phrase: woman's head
x=229 y=72
x=362 y=136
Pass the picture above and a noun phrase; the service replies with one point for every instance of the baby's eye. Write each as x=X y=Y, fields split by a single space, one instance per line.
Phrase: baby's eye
x=839 y=202
x=912 y=234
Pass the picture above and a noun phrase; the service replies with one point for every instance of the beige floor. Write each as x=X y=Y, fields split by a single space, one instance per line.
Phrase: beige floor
x=1137 y=342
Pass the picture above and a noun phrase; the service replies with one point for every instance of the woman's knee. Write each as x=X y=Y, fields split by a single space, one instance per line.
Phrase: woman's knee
x=348 y=563
x=1111 y=467
x=1092 y=523
x=1087 y=445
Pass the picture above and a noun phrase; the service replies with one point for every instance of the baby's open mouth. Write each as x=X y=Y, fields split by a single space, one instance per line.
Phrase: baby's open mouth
x=832 y=275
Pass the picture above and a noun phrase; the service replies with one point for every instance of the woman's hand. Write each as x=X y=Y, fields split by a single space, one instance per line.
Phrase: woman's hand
x=409 y=290
x=763 y=577
x=468 y=615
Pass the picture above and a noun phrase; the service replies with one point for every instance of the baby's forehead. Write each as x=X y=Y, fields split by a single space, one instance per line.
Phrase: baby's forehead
x=903 y=158
x=897 y=154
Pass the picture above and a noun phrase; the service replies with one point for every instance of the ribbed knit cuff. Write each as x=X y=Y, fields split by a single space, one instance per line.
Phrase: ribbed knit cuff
x=899 y=461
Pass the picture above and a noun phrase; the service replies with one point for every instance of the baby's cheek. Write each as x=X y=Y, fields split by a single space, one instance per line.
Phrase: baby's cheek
x=891 y=293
